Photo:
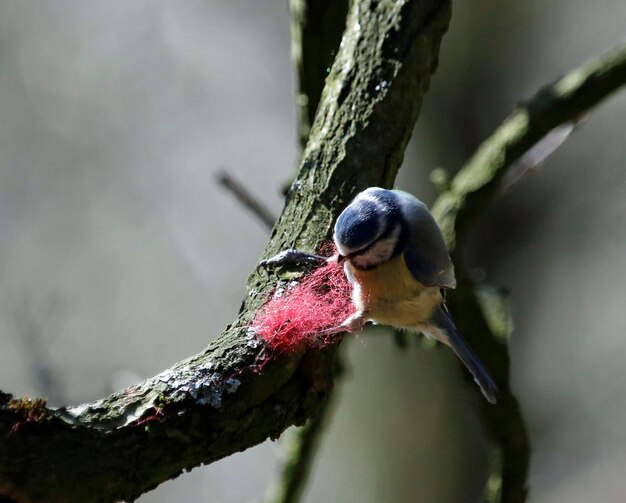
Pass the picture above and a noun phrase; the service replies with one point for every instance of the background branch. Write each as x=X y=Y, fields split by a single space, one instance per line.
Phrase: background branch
x=299 y=455
x=457 y=209
x=566 y=100
x=316 y=30
x=245 y=197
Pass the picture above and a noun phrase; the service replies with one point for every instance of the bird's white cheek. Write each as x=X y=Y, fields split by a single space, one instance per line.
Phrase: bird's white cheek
x=380 y=252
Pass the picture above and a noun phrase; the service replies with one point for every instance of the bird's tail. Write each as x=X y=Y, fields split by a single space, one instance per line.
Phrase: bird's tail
x=465 y=353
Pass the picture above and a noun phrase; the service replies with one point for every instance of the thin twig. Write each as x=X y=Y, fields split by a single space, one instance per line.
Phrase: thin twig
x=247 y=199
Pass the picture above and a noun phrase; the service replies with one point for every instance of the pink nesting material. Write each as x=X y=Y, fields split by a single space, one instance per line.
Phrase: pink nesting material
x=294 y=318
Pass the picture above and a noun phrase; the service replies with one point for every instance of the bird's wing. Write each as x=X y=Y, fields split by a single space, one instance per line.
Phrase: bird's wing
x=422 y=269
x=425 y=254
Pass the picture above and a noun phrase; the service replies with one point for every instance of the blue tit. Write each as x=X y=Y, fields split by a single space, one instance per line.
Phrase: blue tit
x=396 y=260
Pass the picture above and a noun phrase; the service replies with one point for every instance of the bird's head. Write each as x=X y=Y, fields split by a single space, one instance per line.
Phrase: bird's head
x=371 y=230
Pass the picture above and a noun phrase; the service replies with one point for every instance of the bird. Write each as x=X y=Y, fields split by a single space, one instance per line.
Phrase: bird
x=395 y=258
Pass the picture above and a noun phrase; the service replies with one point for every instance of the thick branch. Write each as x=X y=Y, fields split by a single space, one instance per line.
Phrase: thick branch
x=217 y=403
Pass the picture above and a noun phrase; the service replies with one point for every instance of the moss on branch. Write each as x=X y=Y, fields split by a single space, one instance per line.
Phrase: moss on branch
x=566 y=100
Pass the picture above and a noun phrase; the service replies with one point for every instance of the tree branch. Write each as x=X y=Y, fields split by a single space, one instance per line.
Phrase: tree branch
x=470 y=192
x=566 y=100
x=243 y=195
x=316 y=29
x=300 y=452
x=217 y=403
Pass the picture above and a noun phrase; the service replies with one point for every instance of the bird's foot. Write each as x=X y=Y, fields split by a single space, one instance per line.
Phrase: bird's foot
x=293 y=257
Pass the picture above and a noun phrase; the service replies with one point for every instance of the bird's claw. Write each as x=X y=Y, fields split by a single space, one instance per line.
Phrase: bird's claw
x=292 y=257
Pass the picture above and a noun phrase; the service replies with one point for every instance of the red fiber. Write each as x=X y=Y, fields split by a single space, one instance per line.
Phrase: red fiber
x=293 y=318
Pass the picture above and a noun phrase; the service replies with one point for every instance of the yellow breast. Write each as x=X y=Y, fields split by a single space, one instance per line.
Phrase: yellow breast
x=390 y=295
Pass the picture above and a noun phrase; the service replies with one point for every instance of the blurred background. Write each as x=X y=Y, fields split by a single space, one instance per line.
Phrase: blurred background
x=120 y=254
